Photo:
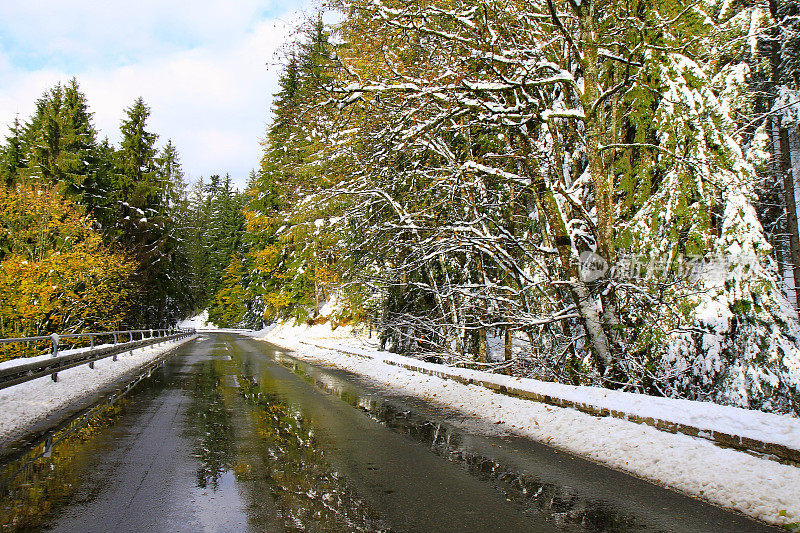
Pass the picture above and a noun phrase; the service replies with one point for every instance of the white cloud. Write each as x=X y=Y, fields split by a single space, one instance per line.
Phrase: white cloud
x=96 y=28
x=211 y=97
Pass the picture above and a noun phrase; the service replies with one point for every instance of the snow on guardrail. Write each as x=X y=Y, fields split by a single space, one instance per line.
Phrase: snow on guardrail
x=20 y=370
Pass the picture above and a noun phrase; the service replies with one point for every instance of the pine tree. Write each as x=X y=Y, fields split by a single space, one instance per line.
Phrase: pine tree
x=782 y=134
x=142 y=221
x=136 y=159
x=76 y=159
x=788 y=15
x=195 y=223
x=42 y=136
x=12 y=155
x=170 y=175
x=225 y=226
x=60 y=139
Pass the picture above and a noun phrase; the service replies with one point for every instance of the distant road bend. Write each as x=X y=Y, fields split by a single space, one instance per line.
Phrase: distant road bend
x=233 y=434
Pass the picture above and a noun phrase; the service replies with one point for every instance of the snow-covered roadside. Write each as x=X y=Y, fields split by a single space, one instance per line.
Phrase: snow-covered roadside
x=198 y=322
x=202 y=323
x=759 y=487
x=26 y=404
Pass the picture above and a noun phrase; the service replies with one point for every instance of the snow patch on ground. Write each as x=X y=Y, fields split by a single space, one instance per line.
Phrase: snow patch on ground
x=199 y=322
x=756 y=486
x=30 y=402
x=202 y=323
x=332 y=307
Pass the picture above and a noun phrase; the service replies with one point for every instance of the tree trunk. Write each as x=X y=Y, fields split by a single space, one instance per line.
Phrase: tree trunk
x=781 y=158
x=592 y=322
x=597 y=130
x=579 y=291
x=316 y=299
x=507 y=331
x=509 y=334
x=483 y=348
x=459 y=330
x=785 y=167
x=602 y=179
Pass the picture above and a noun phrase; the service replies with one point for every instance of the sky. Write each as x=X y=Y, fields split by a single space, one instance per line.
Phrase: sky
x=207 y=69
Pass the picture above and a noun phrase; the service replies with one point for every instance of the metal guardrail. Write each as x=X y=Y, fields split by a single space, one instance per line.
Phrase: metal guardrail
x=23 y=372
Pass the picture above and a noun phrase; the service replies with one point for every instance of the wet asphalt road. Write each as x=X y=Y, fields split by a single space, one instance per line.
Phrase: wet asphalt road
x=233 y=435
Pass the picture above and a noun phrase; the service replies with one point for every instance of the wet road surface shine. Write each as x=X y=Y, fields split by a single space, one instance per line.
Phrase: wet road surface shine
x=232 y=435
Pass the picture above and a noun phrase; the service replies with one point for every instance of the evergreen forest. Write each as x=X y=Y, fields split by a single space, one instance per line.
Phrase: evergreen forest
x=97 y=237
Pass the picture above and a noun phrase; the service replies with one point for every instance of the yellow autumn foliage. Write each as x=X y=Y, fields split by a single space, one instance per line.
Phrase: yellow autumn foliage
x=275 y=302
x=228 y=308
x=56 y=275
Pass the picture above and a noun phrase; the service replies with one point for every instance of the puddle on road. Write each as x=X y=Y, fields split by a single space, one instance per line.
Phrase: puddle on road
x=257 y=438
x=38 y=483
x=209 y=427
x=309 y=494
x=566 y=509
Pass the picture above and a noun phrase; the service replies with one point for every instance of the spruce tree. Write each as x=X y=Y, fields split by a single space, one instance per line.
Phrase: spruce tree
x=42 y=136
x=12 y=155
x=60 y=139
x=788 y=12
x=284 y=256
x=99 y=191
x=142 y=224
x=136 y=158
x=76 y=160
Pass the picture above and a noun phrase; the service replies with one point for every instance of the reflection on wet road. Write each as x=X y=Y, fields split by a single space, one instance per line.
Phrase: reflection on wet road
x=233 y=435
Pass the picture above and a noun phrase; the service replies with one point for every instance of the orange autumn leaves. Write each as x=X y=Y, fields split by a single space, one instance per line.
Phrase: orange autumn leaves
x=56 y=274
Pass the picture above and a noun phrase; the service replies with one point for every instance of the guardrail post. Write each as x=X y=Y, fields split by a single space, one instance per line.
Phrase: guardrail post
x=54 y=338
x=91 y=342
x=114 y=358
x=91 y=347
